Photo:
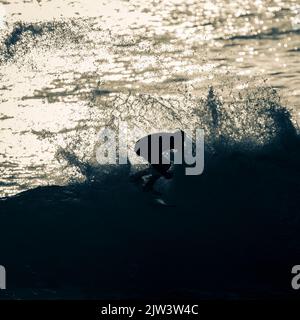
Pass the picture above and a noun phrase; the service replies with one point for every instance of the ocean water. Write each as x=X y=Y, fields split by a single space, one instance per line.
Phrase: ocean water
x=72 y=228
x=68 y=67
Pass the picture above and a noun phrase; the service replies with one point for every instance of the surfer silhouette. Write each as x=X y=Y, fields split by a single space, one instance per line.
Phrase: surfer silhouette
x=157 y=149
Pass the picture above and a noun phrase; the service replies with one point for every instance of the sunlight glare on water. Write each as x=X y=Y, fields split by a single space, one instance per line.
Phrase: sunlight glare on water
x=64 y=53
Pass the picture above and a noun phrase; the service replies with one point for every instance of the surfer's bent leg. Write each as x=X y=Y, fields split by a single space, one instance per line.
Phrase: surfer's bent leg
x=155 y=175
x=157 y=171
x=140 y=174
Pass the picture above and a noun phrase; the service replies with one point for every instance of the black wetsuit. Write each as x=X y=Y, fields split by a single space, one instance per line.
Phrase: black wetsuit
x=143 y=148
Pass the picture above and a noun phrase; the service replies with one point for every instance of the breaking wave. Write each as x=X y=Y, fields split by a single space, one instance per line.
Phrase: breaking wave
x=250 y=184
x=250 y=121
